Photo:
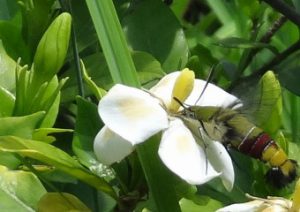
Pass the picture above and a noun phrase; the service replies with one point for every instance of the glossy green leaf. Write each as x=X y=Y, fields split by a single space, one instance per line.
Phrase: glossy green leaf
x=11 y=36
x=291 y=118
x=35 y=21
x=45 y=134
x=16 y=190
x=7 y=102
x=160 y=35
x=87 y=126
x=53 y=156
x=148 y=68
x=51 y=113
x=288 y=80
x=22 y=126
x=7 y=67
x=61 y=202
x=85 y=32
x=7 y=9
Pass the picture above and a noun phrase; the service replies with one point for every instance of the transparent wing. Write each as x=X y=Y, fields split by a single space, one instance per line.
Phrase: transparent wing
x=262 y=103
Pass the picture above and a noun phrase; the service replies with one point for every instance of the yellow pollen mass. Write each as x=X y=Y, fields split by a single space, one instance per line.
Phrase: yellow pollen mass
x=183 y=87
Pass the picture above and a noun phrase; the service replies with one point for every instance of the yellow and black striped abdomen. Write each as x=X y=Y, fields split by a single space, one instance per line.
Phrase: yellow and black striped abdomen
x=252 y=141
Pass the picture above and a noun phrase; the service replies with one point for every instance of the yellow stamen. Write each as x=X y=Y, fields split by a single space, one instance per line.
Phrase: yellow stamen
x=183 y=87
x=296 y=198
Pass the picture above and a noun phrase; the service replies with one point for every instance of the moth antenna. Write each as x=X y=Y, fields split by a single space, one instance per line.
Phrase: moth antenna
x=209 y=78
x=179 y=102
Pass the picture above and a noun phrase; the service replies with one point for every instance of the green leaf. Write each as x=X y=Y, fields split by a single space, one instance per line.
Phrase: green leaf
x=291 y=119
x=22 y=126
x=157 y=176
x=87 y=126
x=16 y=190
x=85 y=32
x=7 y=67
x=43 y=134
x=7 y=102
x=7 y=9
x=96 y=68
x=189 y=206
x=288 y=79
x=51 y=113
x=53 y=156
x=13 y=42
x=61 y=202
x=234 y=42
x=160 y=35
x=231 y=17
x=35 y=20
x=148 y=68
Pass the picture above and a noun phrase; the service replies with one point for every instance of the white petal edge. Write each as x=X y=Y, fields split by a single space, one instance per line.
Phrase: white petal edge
x=253 y=206
x=182 y=155
x=212 y=96
x=110 y=147
x=220 y=160
x=132 y=113
x=163 y=89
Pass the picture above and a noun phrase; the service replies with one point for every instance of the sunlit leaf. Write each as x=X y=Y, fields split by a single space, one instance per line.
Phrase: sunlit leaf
x=53 y=156
x=61 y=202
x=7 y=67
x=189 y=206
x=7 y=102
x=22 y=126
x=16 y=190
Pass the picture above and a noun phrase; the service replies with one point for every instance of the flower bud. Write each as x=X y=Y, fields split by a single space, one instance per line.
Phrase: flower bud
x=52 y=49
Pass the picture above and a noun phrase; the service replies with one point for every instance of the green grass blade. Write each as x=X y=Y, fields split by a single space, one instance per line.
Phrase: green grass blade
x=113 y=42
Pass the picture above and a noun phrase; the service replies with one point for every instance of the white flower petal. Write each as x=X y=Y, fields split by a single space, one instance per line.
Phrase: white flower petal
x=253 y=206
x=110 y=148
x=221 y=161
x=212 y=96
x=182 y=155
x=163 y=89
x=132 y=113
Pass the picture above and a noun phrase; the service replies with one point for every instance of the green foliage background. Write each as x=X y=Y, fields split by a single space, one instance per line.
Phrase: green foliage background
x=48 y=96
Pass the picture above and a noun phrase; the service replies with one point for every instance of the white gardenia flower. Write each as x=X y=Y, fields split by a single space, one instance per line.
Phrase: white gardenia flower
x=132 y=115
x=271 y=204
